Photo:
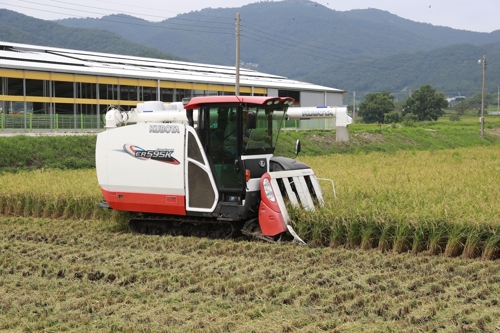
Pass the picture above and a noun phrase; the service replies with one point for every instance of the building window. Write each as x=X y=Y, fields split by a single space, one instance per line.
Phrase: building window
x=15 y=87
x=166 y=95
x=35 y=88
x=290 y=93
x=86 y=90
x=182 y=93
x=128 y=93
x=63 y=89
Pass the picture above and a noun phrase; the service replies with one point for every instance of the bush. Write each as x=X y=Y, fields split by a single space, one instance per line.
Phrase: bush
x=392 y=117
x=410 y=119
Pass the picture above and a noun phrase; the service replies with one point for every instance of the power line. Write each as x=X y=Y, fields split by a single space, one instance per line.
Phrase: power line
x=156 y=9
x=282 y=47
x=280 y=44
x=124 y=12
x=129 y=23
x=97 y=13
x=294 y=41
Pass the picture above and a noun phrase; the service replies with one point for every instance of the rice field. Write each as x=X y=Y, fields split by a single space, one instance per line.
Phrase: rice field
x=428 y=201
x=442 y=201
x=392 y=252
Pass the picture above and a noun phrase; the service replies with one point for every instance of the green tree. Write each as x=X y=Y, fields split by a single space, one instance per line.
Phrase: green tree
x=476 y=99
x=426 y=103
x=400 y=104
x=462 y=107
x=375 y=106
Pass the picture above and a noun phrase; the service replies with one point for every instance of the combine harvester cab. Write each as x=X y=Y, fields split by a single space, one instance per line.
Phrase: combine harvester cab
x=206 y=168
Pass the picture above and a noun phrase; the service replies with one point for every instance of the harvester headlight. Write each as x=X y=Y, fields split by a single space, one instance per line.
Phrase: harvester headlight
x=268 y=190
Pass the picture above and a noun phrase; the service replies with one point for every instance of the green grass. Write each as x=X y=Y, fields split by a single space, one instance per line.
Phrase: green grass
x=78 y=152
x=390 y=138
x=24 y=153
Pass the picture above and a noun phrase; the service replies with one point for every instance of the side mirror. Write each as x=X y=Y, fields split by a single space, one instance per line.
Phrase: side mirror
x=237 y=166
x=297 y=147
x=251 y=120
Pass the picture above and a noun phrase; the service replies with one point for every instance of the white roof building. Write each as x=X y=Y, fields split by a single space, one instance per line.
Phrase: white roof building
x=55 y=81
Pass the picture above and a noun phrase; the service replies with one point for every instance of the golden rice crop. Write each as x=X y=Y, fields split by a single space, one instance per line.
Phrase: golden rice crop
x=436 y=201
x=428 y=201
x=456 y=185
x=51 y=193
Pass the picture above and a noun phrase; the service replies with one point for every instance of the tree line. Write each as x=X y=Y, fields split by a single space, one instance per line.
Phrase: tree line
x=424 y=104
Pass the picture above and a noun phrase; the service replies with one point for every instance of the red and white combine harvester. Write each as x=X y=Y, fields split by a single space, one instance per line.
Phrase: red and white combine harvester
x=207 y=168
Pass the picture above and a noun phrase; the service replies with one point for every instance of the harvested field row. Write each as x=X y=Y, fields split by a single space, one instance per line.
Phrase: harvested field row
x=90 y=275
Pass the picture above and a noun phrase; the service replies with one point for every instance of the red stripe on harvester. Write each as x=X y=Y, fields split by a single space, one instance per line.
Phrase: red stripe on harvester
x=146 y=202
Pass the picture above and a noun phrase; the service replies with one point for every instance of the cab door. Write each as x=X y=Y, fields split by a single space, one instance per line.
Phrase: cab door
x=219 y=131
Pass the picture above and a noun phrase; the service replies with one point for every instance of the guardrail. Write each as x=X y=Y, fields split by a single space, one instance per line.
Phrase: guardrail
x=80 y=122
x=33 y=122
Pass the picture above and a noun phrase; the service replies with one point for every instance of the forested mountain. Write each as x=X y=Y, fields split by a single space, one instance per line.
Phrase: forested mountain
x=363 y=50
x=288 y=38
x=19 y=28
x=452 y=69
x=360 y=50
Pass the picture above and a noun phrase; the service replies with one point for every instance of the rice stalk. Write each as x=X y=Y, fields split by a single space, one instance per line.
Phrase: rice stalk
x=420 y=238
x=7 y=206
x=402 y=237
x=456 y=241
x=301 y=224
x=438 y=236
x=28 y=206
x=18 y=204
x=338 y=233
x=386 y=237
x=474 y=243
x=492 y=246
x=69 y=210
x=370 y=235
x=319 y=232
x=354 y=230
x=37 y=210
x=47 y=207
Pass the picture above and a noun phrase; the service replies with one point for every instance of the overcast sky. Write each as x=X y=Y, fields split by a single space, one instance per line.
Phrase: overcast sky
x=478 y=15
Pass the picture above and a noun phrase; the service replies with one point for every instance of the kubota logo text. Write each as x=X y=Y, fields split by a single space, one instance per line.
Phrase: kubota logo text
x=317 y=113
x=164 y=129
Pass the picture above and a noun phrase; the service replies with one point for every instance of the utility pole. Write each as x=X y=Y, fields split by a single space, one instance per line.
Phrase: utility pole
x=237 y=85
x=353 y=106
x=482 y=97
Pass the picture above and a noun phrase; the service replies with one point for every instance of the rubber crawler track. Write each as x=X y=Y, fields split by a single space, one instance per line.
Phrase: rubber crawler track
x=201 y=227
